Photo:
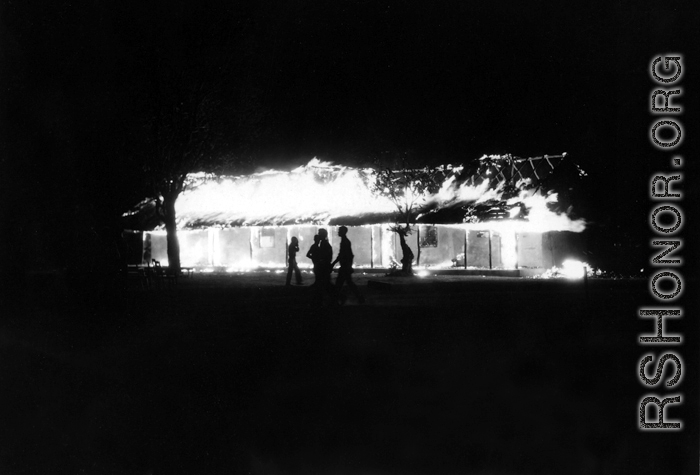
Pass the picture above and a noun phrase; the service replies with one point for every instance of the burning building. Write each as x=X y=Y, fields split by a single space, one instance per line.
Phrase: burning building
x=498 y=212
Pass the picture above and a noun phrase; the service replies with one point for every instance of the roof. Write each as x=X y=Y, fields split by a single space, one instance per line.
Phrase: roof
x=489 y=188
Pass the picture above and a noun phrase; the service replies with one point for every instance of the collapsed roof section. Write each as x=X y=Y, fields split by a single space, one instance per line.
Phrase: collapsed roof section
x=506 y=184
x=494 y=187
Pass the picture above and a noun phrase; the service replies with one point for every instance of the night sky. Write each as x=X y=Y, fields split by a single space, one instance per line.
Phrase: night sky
x=344 y=81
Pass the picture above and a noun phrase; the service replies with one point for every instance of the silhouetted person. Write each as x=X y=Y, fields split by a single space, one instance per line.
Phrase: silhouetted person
x=407 y=259
x=312 y=255
x=293 y=267
x=323 y=255
x=345 y=258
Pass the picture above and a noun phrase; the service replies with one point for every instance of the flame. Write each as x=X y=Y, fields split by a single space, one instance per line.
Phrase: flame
x=451 y=194
x=573 y=269
x=509 y=253
x=570 y=269
x=318 y=192
x=314 y=193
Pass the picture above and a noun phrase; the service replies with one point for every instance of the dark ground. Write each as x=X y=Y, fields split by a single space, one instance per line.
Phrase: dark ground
x=238 y=374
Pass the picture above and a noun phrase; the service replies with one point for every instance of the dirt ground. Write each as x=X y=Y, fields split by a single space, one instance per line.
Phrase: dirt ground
x=236 y=373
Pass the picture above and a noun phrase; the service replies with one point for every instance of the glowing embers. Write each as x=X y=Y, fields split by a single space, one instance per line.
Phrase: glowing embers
x=570 y=269
x=237 y=270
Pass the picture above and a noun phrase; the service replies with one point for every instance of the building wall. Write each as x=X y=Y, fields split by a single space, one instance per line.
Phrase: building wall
x=504 y=246
x=362 y=243
x=376 y=231
x=373 y=246
x=305 y=235
x=157 y=244
x=450 y=243
x=389 y=244
x=195 y=247
x=478 y=254
x=269 y=245
x=530 y=251
x=233 y=248
x=538 y=252
x=558 y=246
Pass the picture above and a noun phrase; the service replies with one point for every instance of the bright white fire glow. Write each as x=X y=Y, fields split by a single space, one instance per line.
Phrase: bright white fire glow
x=451 y=193
x=573 y=269
x=509 y=253
x=319 y=192
x=232 y=270
x=570 y=269
x=311 y=194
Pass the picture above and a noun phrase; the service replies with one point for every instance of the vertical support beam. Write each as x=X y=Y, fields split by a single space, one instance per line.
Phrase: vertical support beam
x=371 y=246
x=490 y=261
x=250 y=243
x=418 y=244
x=145 y=241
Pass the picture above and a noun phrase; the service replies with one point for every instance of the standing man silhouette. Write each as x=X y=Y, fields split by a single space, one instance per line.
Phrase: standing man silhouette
x=314 y=258
x=293 y=267
x=345 y=257
x=322 y=256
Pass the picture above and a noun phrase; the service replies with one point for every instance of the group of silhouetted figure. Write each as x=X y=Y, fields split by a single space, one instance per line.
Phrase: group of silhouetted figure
x=321 y=255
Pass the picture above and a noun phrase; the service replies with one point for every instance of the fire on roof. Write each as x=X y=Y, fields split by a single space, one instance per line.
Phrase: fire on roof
x=505 y=190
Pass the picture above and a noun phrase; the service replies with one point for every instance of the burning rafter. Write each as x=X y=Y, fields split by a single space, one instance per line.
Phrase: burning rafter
x=499 y=170
x=495 y=187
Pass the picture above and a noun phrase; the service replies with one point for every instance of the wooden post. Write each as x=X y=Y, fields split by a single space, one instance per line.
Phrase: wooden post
x=250 y=242
x=490 y=263
x=418 y=244
x=371 y=246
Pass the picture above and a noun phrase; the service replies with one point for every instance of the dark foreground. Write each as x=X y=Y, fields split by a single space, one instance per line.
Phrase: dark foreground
x=238 y=374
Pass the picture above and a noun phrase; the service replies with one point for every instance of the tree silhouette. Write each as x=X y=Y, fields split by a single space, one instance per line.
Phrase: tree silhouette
x=407 y=188
x=201 y=111
x=180 y=139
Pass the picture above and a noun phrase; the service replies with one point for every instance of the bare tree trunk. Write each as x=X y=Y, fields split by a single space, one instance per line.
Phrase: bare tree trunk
x=171 y=230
